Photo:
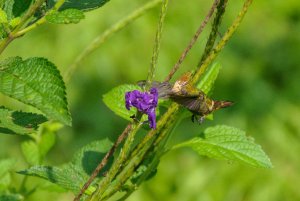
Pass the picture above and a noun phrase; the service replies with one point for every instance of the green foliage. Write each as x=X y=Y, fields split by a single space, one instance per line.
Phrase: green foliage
x=115 y=100
x=3 y=17
x=30 y=151
x=11 y=197
x=20 y=6
x=84 y=5
x=8 y=6
x=16 y=122
x=65 y=17
x=224 y=142
x=72 y=176
x=36 y=82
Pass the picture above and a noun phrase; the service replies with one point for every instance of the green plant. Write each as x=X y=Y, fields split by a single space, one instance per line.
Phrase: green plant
x=93 y=173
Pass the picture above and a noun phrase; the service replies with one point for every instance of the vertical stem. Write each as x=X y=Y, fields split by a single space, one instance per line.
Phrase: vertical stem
x=117 y=164
x=193 y=41
x=156 y=47
x=214 y=53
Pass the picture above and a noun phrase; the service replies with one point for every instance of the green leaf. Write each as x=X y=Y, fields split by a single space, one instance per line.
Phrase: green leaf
x=11 y=197
x=8 y=8
x=208 y=79
x=46 y=143
x=224 y=142
x=73 y=175
x=15 y=122
x=65 y=17
x=115 y=100
x=36 y=82
x=20 y=6
x=31 y=153
x=84 y=5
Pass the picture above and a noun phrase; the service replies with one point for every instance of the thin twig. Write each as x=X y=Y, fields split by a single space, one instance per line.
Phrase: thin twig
x=103 y=161
x=193 y=41
x=156 y=47
x=98 y=41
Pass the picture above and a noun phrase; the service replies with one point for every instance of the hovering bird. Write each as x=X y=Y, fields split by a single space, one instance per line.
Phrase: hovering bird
x=190 y=97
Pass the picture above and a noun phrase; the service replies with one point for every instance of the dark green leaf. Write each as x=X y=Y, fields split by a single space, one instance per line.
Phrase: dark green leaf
x=15 y=122
x=84 y=5
x=74 y=174
x=65 y=17
x=224 y=142
x=20 y=6
x=115 y=100
x=36 y=82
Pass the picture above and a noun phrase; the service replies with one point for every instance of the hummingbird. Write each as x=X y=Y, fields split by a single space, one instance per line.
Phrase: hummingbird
x=188 y=96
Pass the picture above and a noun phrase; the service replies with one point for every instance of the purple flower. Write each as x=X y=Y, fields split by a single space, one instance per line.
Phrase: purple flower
x=145 y=102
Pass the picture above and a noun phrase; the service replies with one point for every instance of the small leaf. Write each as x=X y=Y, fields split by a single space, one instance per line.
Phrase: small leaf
x=115 y=100
x=36 y=82
x=8 y=8
x=15 y=22
x=84 y=5
x=11 y=197
x=207 y=80
x=65 y=17
x=46 y=143
x=224 y=142
x=31 y=153
x=15 y=122
x=73 y=175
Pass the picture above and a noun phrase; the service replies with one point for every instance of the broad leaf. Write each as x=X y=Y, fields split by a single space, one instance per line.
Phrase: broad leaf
x=65 y=17
x=224 y=142
x=73 y=175
x=115 y=100
x=15 y=122
x=36 y=82
x=84 y=5
x=20 y=6
x=208 y=79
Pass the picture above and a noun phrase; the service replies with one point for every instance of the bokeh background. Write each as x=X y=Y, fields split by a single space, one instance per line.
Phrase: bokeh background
x=260 y=74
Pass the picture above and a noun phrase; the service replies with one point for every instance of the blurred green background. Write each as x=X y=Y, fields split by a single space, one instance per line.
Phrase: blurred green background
x=260 y=74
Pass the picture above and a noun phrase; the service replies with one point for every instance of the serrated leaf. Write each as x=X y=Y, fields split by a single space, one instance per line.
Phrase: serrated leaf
x=73 y=175
x=36 y=82
x=16 y=122
x=65 y=17
x=84 y=5
x=224 y=142
x=115 y=100
x=11 y=197
x=31 y=153
x=208 y=79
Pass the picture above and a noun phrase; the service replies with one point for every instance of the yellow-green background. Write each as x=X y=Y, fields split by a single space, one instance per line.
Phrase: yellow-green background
x=260 y=74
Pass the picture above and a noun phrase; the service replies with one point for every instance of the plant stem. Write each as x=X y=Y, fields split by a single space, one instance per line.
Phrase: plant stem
x=193 y=41
x=17 y=32
x=213 y=54
x=98 y=41
x=117 y=164
x=157 y=42
x=104 y=161
x=214 y=30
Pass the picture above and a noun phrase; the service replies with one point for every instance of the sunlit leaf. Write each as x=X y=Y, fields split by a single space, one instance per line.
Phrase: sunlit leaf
x=115 y=100
x=36 y=82
x=65 y=17
x=224 y=142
